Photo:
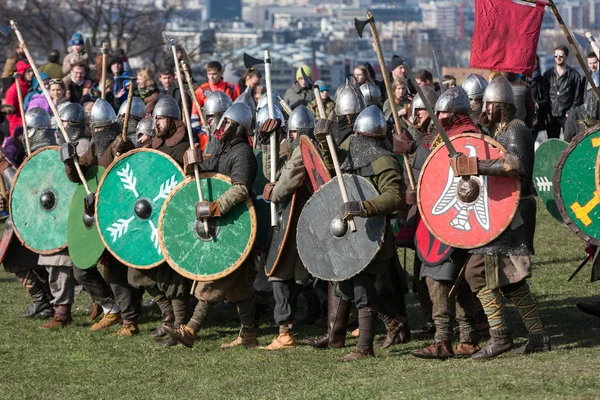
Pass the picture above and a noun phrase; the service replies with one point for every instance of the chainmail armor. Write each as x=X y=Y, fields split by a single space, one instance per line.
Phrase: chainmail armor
x=40 y=137
x=104 y=136
x=363 y=151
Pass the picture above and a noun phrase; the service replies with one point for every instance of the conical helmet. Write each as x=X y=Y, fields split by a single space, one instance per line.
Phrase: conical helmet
x=167 y=107
x=454 y=100
x=474 y=85
x=371 y=122
x=430 y=95
x=301 y=120
x=371 y=93
x=240 y=113
x=499 y=91
x=102 y=114
x=349 y=100
x=138 y=108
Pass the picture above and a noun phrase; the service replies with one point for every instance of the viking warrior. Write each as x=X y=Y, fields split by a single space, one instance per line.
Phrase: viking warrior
x=144 y=132
x=215 y=106
x=475 y=85
x=73 y=120
x=452 y=109
x=169 y=289
x=290 y=275
x=106 y=146
x=39 y=129
x=368 y=155
x=500 y=268
x=236 y=160
x=136 y=114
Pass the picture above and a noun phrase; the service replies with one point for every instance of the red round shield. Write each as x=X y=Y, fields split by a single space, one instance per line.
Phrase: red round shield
x=430 y=250
x=316 y=170
x=466 y=225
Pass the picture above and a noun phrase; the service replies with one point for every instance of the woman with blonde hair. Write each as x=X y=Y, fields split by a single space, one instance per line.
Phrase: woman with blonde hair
x=400 y=92
x=147 y=88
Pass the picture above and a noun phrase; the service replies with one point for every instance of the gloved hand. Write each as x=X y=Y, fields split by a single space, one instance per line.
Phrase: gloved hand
x=68 y=151
x=121 y=146
x=268 y=191
x=463 y=165
x=207 y=209
x=353 y=209
x=191 y=157
x=267 y=129
x=403 y=143
x=323 y=127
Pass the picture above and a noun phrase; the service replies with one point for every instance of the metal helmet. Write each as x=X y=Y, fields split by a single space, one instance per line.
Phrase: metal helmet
x=475 y=85
x=138 y=108
x=371 y=122
x=247 y=99
x=301 y=120
x=499 y=91
x=262 y=102
x=371 y=93
x=349 y=100
x=217 y=103
x=263 y=115
x=240 y=113
x=37 y=118
x=430 y=95
x=145 y=127
x=166 y=106
x=102 y=114
x=453 y=100
x=73 y=114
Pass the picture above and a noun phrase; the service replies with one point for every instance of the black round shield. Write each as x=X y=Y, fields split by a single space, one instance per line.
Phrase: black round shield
x=328 y=257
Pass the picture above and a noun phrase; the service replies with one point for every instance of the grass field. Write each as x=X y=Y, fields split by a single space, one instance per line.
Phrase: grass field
x=74 y=363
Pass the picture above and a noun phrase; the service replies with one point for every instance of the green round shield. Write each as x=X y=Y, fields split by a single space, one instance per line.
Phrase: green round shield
x=85 y=245
x=574 y=184
x=128 y=203
x=546 y=157
x=39 y=201
x=187 y=251
x=262 y=207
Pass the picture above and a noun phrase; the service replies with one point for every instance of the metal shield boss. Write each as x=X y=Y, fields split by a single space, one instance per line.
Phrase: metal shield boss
x=39 y=201
x=575 y=190
x=317 y=171
x=85 y=244
x=261 y=206
x=466 y=225
x=334 y=258
x=546 y=157
x=191 y=253
x=129 y=199
x=280 y=233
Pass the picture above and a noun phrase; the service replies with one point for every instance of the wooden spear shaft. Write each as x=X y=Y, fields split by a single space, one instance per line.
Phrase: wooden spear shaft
x=13 y=25
x=22 y=108
x=104 y=55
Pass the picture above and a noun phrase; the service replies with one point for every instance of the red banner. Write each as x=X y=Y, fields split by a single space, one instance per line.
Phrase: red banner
x=506 y=35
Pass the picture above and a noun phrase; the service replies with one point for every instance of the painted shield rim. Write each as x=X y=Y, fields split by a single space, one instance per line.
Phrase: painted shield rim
x=15 y=230
x=110 y=167
x=245 y=254
x=286 y=235
x=491 y=142
x=307 y=143
x=383 y=230
x=556 y=179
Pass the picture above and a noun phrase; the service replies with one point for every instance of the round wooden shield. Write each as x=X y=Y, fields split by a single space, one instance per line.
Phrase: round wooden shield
x=466 y=225
x=575 y=190
x=546 y=157
x=128 y=203
x=317 y=171
x=262 y=207
x=334 y=258
x=7 y=238
x=189 y=254
x=280 y=233
x=430 y=250
x=39 y=201
x=85 y=245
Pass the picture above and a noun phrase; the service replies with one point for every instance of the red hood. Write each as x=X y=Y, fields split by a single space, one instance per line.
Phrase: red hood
x=22 y=67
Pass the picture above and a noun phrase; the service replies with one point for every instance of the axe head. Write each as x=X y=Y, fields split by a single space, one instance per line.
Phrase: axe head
x=309 y=83
x=360 y=25
x=185 y=58
x=250 y=61
x=169 y=42
x=5 y=30
x=89 y=49
x=122 y=79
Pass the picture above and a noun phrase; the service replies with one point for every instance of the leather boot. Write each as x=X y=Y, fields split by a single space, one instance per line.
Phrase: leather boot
x=39 y=308
x=537 y=343
x=440 y=350
x=167 y=319
x=95 y=312
x=183 y=335
x=129 y=328
x=591 y=309
x=367 y=318
x=285 y=339
x=466 y=349
x=397 y=332
x=245 y=338
x=500 y=342
x=62 y=317
x=107 y=321
x=169 y=341
x=313 y=305
x=338 y=313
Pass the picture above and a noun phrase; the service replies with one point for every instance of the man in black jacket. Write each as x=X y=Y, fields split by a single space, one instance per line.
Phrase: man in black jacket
x=565 y=91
